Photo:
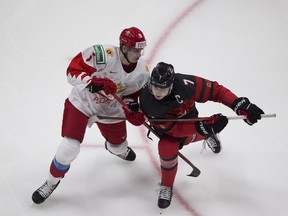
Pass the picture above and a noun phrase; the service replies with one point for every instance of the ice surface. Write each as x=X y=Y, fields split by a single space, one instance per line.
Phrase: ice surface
x=241 y=44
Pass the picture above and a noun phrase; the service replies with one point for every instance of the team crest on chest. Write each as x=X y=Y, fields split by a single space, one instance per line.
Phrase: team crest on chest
x=120 y=88
x=109 y=52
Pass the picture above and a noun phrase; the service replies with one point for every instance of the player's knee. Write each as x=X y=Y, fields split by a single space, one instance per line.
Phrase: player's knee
x=168 y=148
x=67 y=151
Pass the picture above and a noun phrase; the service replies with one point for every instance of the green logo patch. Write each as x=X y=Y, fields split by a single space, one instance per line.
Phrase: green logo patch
x=100 y=54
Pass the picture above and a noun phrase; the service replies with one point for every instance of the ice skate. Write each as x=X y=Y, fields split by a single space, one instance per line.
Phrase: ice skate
x=165 y=196
x=128 y=155
x=43 y=192
x=213 y=143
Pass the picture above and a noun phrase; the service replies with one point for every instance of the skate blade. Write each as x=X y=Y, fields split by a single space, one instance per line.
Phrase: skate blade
x=161 y=211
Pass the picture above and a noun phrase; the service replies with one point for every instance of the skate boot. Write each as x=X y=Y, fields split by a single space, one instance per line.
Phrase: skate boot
x=43 y=192
x=165 y=196
x=213 y=143
x=128 y=155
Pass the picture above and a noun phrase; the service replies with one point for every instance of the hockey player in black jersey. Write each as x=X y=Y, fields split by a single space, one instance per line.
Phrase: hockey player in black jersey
x=171 y=95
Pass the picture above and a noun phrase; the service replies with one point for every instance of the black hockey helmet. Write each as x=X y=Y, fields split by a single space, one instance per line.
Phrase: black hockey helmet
x=162 y=75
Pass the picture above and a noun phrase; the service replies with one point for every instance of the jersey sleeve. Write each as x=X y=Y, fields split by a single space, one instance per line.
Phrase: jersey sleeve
x=213 y=91
x=79 y=73
x=83 y=65
x=222 y=94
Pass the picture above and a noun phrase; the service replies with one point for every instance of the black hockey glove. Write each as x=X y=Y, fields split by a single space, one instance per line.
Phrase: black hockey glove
x=94 y=88
x=217 y=123
x=242 y=106
x=133 y=106
x=105 y=84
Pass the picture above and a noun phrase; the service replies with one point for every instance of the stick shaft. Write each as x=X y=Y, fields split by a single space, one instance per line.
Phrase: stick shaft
x=272 y=115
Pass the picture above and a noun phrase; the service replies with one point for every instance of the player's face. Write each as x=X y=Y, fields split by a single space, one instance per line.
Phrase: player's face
x=134 y=54
x=159 y=93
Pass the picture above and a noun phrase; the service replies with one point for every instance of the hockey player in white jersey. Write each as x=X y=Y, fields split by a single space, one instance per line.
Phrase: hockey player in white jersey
x=94 y=73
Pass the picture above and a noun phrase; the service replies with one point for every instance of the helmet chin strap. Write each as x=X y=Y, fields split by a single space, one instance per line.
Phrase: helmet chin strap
x=125 y=55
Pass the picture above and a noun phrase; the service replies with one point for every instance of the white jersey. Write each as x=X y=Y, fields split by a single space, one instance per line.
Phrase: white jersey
x=103 y=61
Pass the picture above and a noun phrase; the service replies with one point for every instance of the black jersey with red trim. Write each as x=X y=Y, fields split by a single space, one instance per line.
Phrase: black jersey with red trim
x=180 y=103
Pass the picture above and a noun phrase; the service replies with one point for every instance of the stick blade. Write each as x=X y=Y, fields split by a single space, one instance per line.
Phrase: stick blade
x=195 y=173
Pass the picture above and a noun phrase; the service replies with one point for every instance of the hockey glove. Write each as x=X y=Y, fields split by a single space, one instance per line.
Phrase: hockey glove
x=242 y=106
x=135 y=118
x=217 y=123
x=105 y=84
x=133 y=106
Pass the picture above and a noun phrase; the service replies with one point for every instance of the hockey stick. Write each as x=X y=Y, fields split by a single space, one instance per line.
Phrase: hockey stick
x=272 y=115
x=195 y=172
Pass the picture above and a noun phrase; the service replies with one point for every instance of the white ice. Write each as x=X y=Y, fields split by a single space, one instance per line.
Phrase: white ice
x=241 y=44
